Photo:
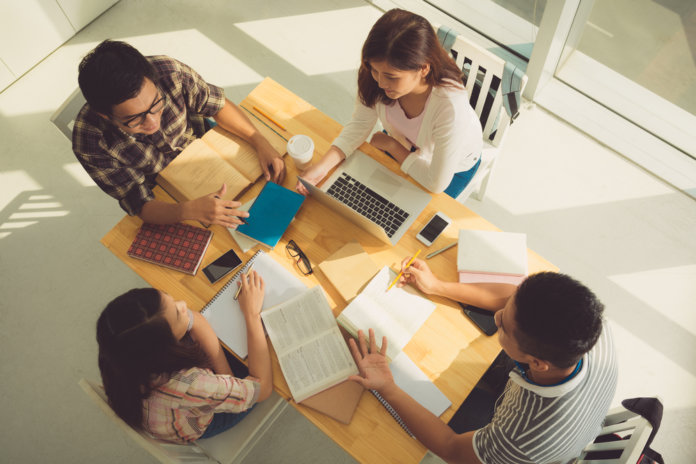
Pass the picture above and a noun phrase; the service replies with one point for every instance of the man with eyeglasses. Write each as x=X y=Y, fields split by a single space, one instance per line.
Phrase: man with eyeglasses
x=141 y=112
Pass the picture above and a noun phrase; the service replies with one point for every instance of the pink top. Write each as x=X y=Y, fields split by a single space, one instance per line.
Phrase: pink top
x=409 y=127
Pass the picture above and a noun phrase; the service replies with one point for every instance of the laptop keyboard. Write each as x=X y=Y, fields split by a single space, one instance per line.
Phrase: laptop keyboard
x=367 y=202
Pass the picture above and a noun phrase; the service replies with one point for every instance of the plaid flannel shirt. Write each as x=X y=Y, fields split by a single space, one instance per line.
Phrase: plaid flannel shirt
x=125 y=165
x=180 y=410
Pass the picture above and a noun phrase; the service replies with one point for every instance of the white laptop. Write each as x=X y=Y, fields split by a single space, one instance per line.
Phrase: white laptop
x=372 y=197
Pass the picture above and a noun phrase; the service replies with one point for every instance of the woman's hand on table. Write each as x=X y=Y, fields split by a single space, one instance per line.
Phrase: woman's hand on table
x=251 y=296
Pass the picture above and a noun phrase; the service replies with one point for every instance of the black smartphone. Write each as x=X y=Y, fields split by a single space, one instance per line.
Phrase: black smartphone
x=481 y=317
x=222 y=266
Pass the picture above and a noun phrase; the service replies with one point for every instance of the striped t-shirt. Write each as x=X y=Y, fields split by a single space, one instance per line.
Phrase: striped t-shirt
x=536 y=424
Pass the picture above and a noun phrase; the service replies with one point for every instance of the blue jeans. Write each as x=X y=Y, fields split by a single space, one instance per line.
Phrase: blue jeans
x=461 y=180
x=223 y=421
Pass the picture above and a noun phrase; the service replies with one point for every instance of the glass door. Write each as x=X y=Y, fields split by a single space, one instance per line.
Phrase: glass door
x=637 y=58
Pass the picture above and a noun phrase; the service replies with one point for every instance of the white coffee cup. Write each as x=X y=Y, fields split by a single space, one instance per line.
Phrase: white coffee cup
x=301 y=150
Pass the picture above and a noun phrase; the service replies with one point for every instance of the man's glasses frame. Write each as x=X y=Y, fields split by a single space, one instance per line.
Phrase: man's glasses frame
x=137 y=120
x=302 y=261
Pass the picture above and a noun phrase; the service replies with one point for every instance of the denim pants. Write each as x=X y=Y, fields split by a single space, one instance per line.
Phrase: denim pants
x=223 y=421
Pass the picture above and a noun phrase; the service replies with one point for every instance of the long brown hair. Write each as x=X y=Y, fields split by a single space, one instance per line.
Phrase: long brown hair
x=405 y=41
x=136 y=345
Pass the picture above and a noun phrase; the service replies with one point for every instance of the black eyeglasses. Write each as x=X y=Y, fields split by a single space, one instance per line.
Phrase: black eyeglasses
x=302 y=262
x=138 y=119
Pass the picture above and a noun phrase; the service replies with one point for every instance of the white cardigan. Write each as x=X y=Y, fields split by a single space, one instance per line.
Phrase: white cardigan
x=450 y=138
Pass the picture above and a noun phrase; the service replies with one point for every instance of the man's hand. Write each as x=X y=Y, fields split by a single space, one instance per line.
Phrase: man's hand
x=372 y=364
x=211 y=209
x=419 y=275
x=272 y=164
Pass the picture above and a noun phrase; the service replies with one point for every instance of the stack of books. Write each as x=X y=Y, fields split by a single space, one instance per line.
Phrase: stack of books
x=488 y=256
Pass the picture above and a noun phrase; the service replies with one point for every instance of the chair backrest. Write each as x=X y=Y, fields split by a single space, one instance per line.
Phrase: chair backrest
x=483 y=76
x=168 y=453
x=622 y=422
x=64 y=116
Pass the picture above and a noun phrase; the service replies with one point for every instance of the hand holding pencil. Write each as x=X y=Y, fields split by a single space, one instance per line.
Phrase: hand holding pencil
x=415 y=272
x=401 y=272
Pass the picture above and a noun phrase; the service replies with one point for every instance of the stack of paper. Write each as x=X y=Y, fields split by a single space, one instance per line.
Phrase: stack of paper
x=488 y=256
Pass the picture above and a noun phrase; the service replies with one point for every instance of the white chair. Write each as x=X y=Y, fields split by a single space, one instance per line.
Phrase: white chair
x=231 y=446
x=64 y=116
x=622 y=422
x=483 y=73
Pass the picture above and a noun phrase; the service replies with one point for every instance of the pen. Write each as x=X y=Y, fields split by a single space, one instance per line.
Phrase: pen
x=441 y=250
x=401 y=272
x=236 y=295
x=269 y=118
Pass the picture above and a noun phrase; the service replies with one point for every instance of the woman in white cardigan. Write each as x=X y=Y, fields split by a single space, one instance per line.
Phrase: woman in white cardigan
x=411 y=85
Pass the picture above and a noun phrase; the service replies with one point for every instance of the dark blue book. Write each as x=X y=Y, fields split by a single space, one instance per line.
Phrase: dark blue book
x=271 y=213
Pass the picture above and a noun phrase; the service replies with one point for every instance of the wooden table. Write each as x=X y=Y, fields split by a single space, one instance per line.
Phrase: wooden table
x=448 y=348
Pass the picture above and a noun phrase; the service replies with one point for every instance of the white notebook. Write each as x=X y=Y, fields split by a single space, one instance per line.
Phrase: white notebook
x=223 y=310
x=396 y=314
x=491 y=252
x=413 y=381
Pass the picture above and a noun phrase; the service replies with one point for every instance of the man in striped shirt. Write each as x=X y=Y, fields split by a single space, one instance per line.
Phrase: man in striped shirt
x=556 y=398
x=141 y=112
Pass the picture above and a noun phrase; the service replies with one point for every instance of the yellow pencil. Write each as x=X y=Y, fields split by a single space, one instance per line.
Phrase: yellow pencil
x=236 y=295
x=269 y=118
x=401 y=272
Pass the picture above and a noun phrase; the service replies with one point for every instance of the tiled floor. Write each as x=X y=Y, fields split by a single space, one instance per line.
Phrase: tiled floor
x=624 y=233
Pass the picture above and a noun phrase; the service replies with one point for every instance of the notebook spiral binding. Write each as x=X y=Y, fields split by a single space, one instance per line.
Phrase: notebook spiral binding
x=393 y=413
x=232 y=280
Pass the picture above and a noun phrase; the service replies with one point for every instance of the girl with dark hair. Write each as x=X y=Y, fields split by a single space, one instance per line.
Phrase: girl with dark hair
x=411 y=85
x=164 y=370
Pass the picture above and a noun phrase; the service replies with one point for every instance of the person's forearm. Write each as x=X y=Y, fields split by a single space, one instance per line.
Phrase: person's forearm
x=161 y=212
x=428 y=428
x=331 y=159
x=259 y=357
x=232 y=119
x=490 y=296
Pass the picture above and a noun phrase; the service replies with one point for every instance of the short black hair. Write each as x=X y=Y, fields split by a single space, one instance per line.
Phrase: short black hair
x=112 y=73
x=558 y=318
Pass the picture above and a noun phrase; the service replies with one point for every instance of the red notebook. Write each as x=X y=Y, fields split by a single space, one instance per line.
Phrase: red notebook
x=177 y=246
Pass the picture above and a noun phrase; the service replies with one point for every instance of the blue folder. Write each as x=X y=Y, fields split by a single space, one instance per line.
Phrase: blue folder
x=271 y=213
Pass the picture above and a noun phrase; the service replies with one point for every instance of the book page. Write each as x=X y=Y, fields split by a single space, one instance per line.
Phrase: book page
x=235 y=151
x=317 y=365
x=199 y=171
x=364 y=313
x=311 y=350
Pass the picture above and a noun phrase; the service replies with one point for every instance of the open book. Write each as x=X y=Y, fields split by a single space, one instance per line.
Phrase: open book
x=216 y=158
x=311 y=350
x=396 y=314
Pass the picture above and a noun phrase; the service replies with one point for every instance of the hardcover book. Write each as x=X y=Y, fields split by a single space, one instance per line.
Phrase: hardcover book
x=177 y=246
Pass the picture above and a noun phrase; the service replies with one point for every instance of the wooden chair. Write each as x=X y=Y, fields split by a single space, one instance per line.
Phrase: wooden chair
x=231 y=446
x=483 y=74
x=622 y=422
x=64 y=116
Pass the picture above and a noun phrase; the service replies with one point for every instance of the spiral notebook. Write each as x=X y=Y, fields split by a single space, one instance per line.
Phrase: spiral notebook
x=223 y=311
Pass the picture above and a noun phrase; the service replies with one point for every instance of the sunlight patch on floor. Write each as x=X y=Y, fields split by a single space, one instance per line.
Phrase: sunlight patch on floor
x=316 y=43
x=670 y=291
